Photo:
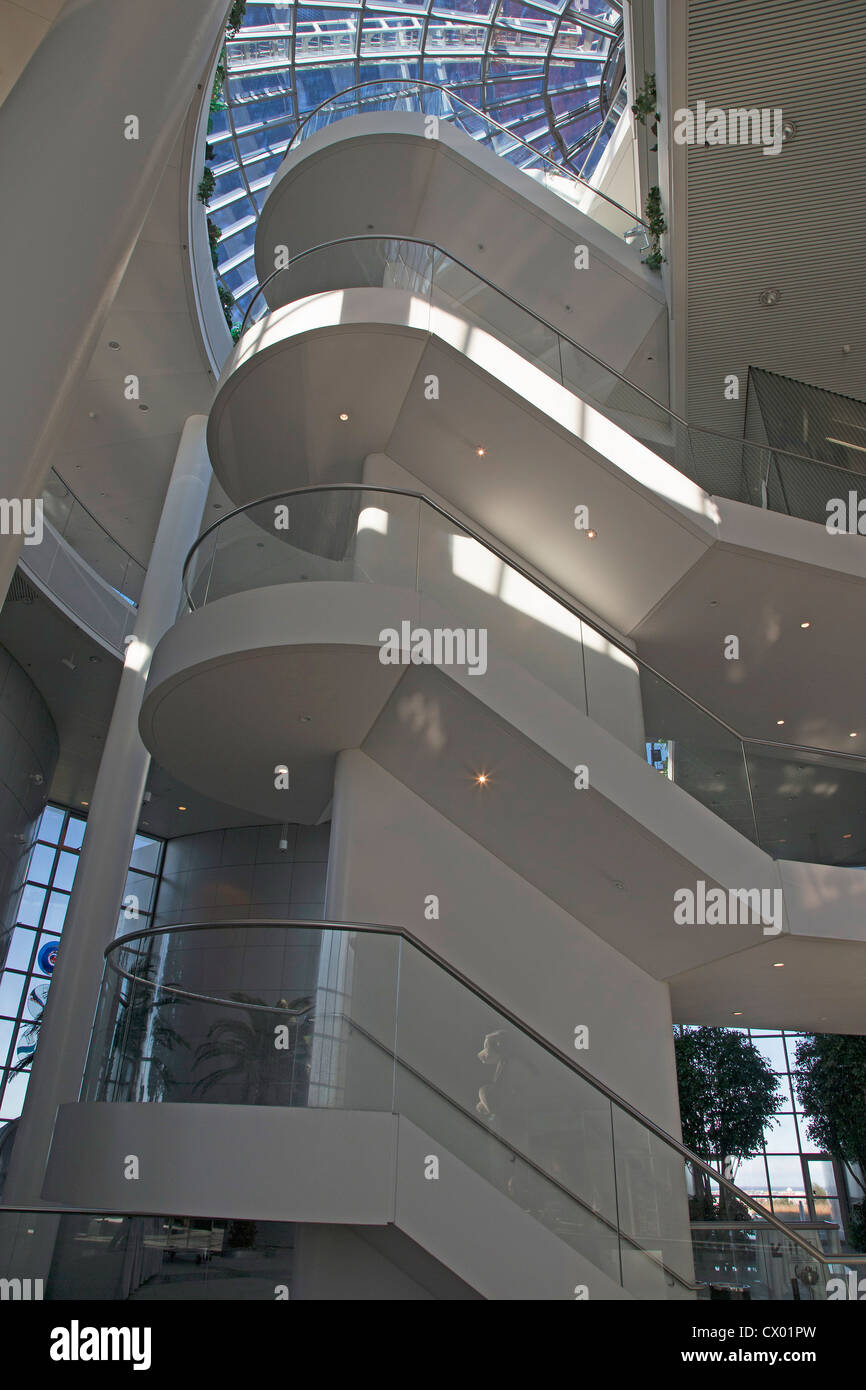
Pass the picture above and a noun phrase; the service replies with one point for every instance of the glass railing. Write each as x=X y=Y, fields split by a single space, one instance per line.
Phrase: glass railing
x=83 y=533
x=68 y=1255
x=429 y=99
x=722 y=465
x=350 y=1016
x=796 y=803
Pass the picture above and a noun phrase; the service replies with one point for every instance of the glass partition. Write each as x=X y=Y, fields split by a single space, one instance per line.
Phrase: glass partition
x=91 y=541
x=359 y=1017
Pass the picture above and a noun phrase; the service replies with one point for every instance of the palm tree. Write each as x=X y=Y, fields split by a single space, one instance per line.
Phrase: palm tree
x=249 y=1043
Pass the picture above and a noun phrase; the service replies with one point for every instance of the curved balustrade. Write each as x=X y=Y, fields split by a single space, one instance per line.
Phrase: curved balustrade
x=350 y=1016
x=722 y=465
x=795 y=802
x=430 y=99
x=84 y=534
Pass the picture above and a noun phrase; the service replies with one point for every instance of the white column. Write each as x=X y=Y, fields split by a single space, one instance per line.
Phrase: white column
x=75 y=192
x=97 y=894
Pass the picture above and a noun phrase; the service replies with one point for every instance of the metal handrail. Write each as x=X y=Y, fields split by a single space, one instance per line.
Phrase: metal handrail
x=283 y=1013
x=545 y=323
x=76 y=502
x=538 y=581
x=410 y=82
x=521 y=1025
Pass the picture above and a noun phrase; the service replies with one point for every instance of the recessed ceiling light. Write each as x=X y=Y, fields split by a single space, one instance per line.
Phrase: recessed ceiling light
x=805 y=624
x=849 y=836
x=789 y=130
x=344 y=416
x=304 y=718
x=778 y=964
x=591 y=534
x=770 y=297
x=780 y=721
x=481 y=779
x=480 y=452
x=144 y=407
x=85 y=803
x=181 y=808
x=738 y=1013
x=854 y=735
x=115 y=346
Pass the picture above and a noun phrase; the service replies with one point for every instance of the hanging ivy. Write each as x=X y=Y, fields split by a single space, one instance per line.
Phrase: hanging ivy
x=236 y=18
x=656 y=227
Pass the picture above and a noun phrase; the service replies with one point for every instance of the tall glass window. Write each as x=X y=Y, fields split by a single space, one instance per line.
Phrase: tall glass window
x=32 y=947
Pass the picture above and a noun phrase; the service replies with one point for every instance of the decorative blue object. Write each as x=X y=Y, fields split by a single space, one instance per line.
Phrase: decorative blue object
x=46 y=957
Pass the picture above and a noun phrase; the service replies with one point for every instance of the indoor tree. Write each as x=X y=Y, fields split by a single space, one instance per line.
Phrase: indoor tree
x=830 y=1077
x=728 y=1094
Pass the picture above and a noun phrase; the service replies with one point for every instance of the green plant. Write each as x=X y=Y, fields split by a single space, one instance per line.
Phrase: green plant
x=206 y=186
x=236 y=18
x=219 y=77
x=656 y=227
x=644 y=105
x=214 y=235
x=728 y=1094
x=830 y=1077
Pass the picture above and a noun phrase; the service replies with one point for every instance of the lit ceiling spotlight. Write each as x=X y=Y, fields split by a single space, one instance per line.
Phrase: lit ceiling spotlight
x=849 y=836
x=780 y=722
x=738 y=1013
x=481 y=779
x=778 y=965
x=181 y=808
x=854 y=735
x=591 y=534
x=85 y=803
x=480 y=452
x=805 y=624
x=344 y=416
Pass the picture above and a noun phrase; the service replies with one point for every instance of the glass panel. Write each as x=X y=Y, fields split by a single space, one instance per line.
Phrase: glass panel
x=65 y=872
x=20 y=949
x=56 y=914
x=115 y=1258
x=343 y=535
x=505 y=1107
x=11 y=985
x=74 y=837
x=145 y=854
x=51 y=824
x=809 y=806
x=41 y=864
x=283 y=1025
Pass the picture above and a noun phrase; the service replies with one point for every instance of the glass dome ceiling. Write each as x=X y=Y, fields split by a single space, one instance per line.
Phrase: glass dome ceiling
x=550 y=71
